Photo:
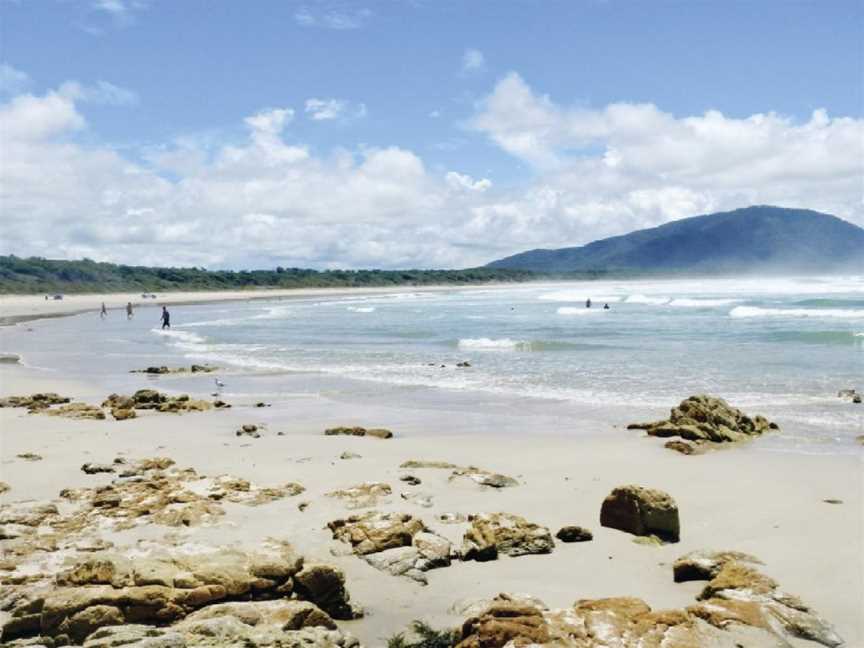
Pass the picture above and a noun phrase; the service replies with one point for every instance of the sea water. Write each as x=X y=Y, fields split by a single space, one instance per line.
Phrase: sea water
x=779 y=347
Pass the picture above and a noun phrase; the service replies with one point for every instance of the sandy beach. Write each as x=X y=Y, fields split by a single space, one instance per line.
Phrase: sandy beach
x=768 y=504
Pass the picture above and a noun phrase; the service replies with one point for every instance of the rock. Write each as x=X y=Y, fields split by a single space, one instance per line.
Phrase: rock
x=4 y=487
x=34 y=401
x=379 y=433
x=860 y=439
x=705 y=565
x=10 y=358
x=410 y=479
x=463 y=364
x=150 y=399
x=491 y=534
x=414 y=463
x=420 y=499
x=349 y=455
x=856 y=399
x=832 y=500
x=373 y=531
x=94 y=468
x=707 y=420
x=682 y=446
x=248 y=430
x=29 y=456
x=195 y=368
x=121 y=414
x=574 y=534
x=641 y=511
x=76 y=411
x=325 y=586
x=428 y=551
x=262 y=404
x=363 y=495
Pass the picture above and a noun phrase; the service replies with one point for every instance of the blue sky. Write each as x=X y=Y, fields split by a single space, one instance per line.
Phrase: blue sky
x=512 y=97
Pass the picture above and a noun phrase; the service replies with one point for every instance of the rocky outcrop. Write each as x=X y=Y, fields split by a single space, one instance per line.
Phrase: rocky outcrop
x=364 y=495
x=491 y=534
x=750 y=613
x=642 y=512
x=378 y=433
x=705 y=565
x=706 y=420
x=398 y=544
x=110 y=589
x=150 y=399
x=34 y=401
x=195 y=368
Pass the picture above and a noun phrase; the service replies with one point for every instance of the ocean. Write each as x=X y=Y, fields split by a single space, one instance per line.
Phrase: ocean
x=779 y=347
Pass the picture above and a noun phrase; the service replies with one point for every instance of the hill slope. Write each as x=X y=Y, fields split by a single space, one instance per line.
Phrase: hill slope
x=750 y=239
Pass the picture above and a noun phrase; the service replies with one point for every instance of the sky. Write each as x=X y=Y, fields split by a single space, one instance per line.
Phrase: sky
x=415 y=134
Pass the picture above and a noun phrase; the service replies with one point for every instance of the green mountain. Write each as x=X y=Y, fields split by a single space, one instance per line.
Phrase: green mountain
x=753 y=239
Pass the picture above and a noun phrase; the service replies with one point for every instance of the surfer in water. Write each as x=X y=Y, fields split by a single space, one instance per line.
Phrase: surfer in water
x=605 y=306
x=588 y=303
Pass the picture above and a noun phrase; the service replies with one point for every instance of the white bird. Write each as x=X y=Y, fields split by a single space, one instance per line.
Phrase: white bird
x=219 y=383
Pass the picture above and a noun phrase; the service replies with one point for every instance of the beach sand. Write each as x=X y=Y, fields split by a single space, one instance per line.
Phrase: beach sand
x=768 y=504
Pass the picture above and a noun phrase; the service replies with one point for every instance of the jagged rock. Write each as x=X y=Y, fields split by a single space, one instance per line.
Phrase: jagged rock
x=491 y=534
x=75 y=411
x=420 y=499
x=410 y=479
x=705 y=565
x=121 y=414
x=195 y=368
x=363 y=495
x=682 y=446
x=379 y=433
x=373 y=531
x=29 y=456
x=349 y=455
x=641 y=511
x=415 y=463
x=574 y=534
x=34 y=401
x=706 y=419
x=325 y=586
x=428 y=551
x=4 y=487
x=478 y=475
x=150 y=399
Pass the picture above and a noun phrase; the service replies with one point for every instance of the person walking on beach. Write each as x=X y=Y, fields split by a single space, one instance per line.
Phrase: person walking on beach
x=104 y=312
x=166 y=318
x=129 y=311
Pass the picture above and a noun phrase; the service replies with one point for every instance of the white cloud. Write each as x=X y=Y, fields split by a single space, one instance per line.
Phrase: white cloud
x=268 y=200
x=332 y=18
x=101 y=92
x=466 y=182
x=12 y=80
x=473 y=60
x=330 y=109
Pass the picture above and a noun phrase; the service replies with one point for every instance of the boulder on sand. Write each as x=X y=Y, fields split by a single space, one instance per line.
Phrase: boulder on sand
x=641 y=511
x=491 y=534
x=378 y=433
x=574 y=533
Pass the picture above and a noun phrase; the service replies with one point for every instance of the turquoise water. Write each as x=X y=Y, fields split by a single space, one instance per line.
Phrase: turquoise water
x=779 y=347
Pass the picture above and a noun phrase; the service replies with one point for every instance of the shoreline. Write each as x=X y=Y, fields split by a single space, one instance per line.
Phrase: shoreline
x=771 y=505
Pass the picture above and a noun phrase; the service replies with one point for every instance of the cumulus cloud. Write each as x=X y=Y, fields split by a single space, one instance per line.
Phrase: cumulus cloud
x=101 y=92
x=473 y=60
x=330 y=109
x=268 y=200
x=338 y=19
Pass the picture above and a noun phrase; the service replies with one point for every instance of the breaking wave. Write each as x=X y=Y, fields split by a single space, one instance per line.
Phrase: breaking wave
x=755 y=311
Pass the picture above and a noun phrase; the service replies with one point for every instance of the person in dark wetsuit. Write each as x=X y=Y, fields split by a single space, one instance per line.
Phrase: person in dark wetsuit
x=588 y=303
x=166 y=318
x=606 y=307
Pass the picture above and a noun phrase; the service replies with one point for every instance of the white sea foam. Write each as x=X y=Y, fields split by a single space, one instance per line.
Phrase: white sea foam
x=579 y=310
x=489 y=343
x=702 y=303
x=755 y=311
x=646 y=299
x=362 y=309
x=182 y=339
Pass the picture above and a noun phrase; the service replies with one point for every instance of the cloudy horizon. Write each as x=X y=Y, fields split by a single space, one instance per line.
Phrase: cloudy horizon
x=499 y=159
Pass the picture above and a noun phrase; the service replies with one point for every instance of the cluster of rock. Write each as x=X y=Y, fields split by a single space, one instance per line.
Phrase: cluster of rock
x=195 y=368
x=739 y=606
x=210 y=598
x=402 y=545
x=34 y=402
x=365 y=495
x=76 y=411
x=475 y=474
x=702 y=421
x=378 y=433
x=149 y=399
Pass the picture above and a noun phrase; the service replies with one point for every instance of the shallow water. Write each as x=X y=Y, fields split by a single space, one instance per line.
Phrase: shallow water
x=780 y=347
